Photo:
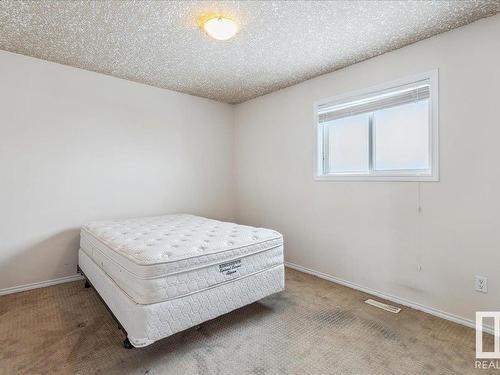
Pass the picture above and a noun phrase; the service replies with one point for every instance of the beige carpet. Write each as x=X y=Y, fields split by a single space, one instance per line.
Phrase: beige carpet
x=314 y=327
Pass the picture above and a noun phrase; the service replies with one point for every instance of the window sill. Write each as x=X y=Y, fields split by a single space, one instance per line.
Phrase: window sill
x=375 y=178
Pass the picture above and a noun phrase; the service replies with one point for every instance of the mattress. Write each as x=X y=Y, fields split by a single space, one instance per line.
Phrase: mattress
x=146 y=324
x=162 y=258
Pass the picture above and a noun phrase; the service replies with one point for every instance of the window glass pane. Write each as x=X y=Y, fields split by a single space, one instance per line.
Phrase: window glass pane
x=348 y=146
x=402 y=137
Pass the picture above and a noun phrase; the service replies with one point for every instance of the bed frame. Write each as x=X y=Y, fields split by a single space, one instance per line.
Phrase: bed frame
x=126 y=343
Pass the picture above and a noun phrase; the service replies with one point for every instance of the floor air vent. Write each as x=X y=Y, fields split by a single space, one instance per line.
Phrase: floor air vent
x=383 y=306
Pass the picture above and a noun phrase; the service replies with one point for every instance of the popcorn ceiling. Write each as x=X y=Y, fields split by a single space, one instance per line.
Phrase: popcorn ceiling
x=280 y=43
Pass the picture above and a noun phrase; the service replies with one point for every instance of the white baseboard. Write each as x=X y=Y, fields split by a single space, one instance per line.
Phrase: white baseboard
x=402 y=301
x=41 y=284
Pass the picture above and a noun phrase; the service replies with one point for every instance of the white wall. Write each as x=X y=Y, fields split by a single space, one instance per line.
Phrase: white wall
x=370 y=233
x=78 y=146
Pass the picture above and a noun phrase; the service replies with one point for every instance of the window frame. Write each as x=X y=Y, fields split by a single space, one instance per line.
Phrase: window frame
x=372 y=175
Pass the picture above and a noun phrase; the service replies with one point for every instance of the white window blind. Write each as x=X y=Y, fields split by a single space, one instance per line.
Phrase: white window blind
x=402 y=95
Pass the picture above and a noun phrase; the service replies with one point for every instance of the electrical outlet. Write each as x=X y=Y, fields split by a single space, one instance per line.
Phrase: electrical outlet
x=481 y=283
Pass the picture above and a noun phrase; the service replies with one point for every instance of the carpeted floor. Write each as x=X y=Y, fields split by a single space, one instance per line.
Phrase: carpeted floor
x=314 y=327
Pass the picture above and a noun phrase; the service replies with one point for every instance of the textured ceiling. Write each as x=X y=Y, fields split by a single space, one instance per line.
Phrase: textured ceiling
x=280 y=43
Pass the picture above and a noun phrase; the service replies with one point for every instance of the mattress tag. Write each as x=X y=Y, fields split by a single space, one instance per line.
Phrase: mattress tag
x=230 y=267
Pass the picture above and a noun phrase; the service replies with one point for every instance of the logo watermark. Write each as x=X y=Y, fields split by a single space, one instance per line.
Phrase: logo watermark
x=487 y=360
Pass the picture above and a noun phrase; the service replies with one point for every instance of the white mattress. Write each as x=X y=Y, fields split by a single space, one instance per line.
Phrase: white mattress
x=146 y=324
x=157 y=259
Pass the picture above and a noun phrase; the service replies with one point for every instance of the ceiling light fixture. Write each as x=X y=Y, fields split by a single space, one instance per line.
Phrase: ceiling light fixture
x=220 y=28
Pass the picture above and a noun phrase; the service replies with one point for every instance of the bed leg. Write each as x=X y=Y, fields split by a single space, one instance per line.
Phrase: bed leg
x=87 y=284
x=127 y=344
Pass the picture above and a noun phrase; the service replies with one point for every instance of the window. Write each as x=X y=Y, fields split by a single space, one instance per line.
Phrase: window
x=386 y=133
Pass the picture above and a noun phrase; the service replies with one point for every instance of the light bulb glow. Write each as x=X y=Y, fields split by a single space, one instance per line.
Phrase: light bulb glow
x=220 y=28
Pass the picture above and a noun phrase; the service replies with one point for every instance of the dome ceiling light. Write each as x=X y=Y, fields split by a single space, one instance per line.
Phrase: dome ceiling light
x=220 y=28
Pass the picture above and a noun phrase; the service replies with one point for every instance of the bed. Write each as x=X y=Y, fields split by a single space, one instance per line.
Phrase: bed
x=161 y=275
